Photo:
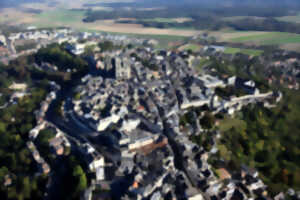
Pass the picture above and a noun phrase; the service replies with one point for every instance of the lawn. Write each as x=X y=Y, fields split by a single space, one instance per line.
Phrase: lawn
x=251 y=52
x=193 y=47
x=269 y=38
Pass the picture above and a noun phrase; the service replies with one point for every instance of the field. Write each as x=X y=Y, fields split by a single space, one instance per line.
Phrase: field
x=168 y=20
x=58 y=17
x=62 y=15
x=230 y=19
x=251 y=52
x=288 y=41
x=270 y=38
x=193 y=47
x=73 y=19
x=295 y=18
x=10 y=16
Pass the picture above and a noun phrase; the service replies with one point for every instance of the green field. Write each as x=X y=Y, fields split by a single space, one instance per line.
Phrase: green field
x=59 y=17
x=251 y=52
x=231 y=19
x=270 y=38
x=193 y=47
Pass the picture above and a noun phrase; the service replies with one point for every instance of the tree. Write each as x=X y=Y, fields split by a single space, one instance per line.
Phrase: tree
x=80 y=177
x=207 y=121
x=106 y=46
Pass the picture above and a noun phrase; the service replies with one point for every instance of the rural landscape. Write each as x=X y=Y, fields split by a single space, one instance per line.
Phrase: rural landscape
x=149 y=100
x=75 y=14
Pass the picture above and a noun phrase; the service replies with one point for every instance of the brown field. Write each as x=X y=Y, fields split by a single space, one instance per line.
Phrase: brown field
x=135 y=29
x=12 y=16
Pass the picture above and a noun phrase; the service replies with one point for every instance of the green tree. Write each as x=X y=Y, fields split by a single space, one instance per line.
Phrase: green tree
x=80 y=177
x=208 y=121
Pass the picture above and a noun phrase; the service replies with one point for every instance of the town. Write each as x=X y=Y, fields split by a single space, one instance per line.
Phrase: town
x=125 y=118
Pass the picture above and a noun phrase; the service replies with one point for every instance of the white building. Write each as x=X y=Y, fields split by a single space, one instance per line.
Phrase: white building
x=76 y=49
x=211 y=82
x=105 y=123
x=197 y=197
x=3 y=40
x=18 y=86
x=130 y=125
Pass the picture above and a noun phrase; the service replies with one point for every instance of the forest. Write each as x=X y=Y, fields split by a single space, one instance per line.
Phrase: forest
x=17 y=119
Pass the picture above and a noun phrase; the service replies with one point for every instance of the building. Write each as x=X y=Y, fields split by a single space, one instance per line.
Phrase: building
x=138 y=143
x=105 y=123
x=196 y=197
x=76 y=49
x=3 y=40
x=122 y=68
x=18 y=86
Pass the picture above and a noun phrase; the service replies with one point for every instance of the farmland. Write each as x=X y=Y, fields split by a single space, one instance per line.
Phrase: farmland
x=168 y=20
x=270 y=38
x=251 y=52
x=60 y=17
x=193 y=47
x=293 y=18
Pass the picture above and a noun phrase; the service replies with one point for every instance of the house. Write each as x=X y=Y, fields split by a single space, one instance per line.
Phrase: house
x=96 y=164
x=214 y=48
x=7 y=180
x=130 y=124
x=231 y=80
x=44 y=167
x=35 y=131
x=246 y=85
x=211 y=82
x=280 y=196
x=76 y=49
x=18 y=86
x=141 y=142
x=106 y=122
x=17 y=95
x=57 y=144
x=3 y=40
x=223 y=174
x=196 y=197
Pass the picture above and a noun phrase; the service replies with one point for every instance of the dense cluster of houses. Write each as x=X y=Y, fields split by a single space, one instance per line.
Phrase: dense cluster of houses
x=78 y=41
x=137 y=97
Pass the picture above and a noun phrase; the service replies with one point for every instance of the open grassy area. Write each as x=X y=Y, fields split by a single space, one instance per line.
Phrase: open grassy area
x=251 y=52
x=269 y=38
x=59 y=17
x=231 y=19
x=193 y=47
